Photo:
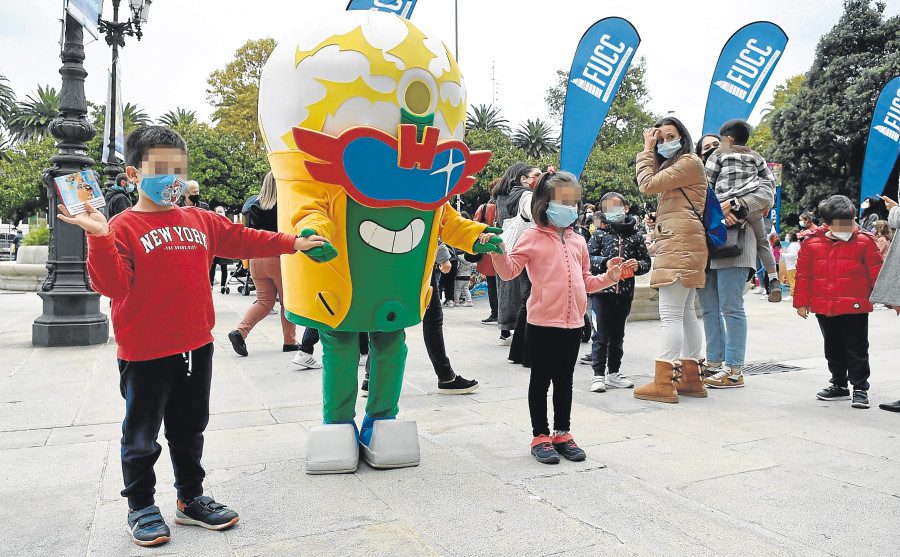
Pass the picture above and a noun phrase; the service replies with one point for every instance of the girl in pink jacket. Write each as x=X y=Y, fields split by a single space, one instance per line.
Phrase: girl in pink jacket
x=559 y=268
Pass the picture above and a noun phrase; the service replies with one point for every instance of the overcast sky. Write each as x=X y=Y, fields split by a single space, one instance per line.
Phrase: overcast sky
x=525 y=41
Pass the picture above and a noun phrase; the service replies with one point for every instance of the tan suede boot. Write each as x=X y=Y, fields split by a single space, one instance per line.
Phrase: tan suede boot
x=690 y=383
x=662 y=389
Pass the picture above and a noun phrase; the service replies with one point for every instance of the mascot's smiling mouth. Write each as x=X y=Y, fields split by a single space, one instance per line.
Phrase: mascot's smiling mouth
x=392 y=241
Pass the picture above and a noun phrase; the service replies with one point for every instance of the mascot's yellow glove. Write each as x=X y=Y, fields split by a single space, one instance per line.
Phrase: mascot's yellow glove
x=492 y=245
x=323 y=253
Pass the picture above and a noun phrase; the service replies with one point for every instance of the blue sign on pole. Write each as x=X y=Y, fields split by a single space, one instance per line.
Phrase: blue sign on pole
x=403 y=8
x=87 y=12
x=883 y=145
x=745 y=66
x=599 y=66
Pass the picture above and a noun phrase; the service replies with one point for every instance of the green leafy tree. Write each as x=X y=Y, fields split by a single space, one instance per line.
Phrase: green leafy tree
x=178 y=118
x=228 y=167
x=29 y=119
x=503 y=155
x=486 y=117
x=21 y=190
x=819 y=134
x=627 y=115
x=234 y=90
x=536 y=138
x=762 y=139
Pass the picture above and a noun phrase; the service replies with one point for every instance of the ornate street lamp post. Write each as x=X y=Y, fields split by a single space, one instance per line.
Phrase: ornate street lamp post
x=71 y=312
x=115 y=32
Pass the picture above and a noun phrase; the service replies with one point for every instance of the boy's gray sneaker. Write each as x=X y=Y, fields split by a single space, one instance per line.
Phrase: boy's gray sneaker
x=833 y=392
x=860 y=399
x=203 y=511
x=147 y=527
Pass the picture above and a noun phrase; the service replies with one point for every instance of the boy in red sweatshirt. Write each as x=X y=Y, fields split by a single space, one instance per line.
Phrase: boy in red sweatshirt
x=153 y=262
x=836 y=271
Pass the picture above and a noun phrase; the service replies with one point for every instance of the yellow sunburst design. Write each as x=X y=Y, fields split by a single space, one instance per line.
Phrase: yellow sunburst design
x=411 y=51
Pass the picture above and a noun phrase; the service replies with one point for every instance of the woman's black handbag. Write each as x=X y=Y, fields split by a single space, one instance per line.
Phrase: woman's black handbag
x=734 y=243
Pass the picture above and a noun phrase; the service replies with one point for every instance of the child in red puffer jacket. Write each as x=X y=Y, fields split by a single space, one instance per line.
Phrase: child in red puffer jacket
x=836 y=271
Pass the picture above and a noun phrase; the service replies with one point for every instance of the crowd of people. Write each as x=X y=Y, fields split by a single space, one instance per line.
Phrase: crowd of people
x=566 y=275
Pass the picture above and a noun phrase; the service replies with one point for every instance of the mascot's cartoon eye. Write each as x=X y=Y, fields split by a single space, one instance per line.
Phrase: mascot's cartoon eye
x=417 y=98
x=417 y=92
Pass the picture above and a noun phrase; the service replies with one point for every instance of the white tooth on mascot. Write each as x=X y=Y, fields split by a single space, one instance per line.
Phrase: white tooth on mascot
x=364 y=116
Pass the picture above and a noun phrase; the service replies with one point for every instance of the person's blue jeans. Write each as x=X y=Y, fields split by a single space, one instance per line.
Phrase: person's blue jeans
x=724 y=321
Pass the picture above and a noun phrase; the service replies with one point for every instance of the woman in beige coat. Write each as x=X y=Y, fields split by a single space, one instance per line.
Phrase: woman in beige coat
x=669 y=169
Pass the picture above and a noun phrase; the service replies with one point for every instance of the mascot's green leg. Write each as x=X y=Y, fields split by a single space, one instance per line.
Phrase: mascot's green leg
x=387 y=361
x=340 y=362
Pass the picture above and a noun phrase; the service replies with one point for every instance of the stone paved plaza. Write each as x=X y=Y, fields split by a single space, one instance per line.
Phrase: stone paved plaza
x=764 y=470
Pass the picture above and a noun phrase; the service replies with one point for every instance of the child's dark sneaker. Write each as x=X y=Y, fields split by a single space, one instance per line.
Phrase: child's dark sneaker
x=860 y=399
x=543 y=450
x=237 y=342
x=565 y=446
x=147 y=527
x=586 y=360
x=459 y=385
x=364 y=388
x=833 y=392
x=203 y=511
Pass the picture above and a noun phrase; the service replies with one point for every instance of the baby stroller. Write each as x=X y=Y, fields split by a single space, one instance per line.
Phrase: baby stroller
x=241 y=275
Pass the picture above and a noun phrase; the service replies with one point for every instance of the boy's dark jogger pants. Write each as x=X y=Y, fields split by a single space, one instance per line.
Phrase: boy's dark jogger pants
x=173 y=390
x=554 y=352
x=847 y=348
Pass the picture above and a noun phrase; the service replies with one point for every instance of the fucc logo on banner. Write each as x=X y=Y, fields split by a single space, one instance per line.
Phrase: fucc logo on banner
x=603 y=68
x=749 y=70
x=890 y=127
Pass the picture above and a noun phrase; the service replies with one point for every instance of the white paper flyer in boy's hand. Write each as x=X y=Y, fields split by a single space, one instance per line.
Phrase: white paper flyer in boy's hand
x=75 y=189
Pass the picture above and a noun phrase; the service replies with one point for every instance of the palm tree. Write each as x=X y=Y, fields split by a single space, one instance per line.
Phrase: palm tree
x=535 y=138
x=134 y=117
x=29 y=119
x=7 y=98
x=178 y=118
x=486 y=117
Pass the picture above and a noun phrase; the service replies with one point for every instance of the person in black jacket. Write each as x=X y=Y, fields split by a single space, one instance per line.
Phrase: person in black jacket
x=616 y=236
x=118 y=196
x=266 y=273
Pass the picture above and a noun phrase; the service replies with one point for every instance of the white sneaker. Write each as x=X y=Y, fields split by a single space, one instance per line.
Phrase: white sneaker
x=619 y=381
x=787 y=298
x=362 y=360
x=757 y=290
x=598 y=385
x=306 y=361
x=506 y=341
x=469 y=304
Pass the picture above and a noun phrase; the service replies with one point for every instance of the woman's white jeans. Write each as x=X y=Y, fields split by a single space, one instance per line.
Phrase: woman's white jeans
x=682 y=334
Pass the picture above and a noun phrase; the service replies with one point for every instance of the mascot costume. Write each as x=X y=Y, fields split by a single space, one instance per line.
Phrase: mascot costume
x=364 y=115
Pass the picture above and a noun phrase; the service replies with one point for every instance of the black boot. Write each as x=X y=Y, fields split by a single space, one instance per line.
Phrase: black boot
x=891 y=406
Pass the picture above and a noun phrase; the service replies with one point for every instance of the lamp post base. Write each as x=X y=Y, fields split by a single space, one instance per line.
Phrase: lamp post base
x=70 y=319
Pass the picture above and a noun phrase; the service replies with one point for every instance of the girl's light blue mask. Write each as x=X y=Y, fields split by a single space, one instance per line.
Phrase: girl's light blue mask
x=615 y=214
x=669 y=148
x=561 y=216
x=162 y=189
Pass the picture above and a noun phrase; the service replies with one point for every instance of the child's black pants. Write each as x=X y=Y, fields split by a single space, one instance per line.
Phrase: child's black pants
x=173 y=390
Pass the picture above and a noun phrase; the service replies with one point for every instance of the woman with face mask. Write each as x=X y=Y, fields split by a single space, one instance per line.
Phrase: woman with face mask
x=514 y=194
x=668 y=168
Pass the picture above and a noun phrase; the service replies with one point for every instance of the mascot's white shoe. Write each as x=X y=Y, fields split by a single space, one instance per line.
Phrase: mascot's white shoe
x=332 y=449
x=389 y=443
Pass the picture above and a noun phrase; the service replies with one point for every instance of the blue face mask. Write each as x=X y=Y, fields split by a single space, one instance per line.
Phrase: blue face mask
x=162 y=189
x=129 y=188
x=615 y=214
x=561 y=216
x=668 y=149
